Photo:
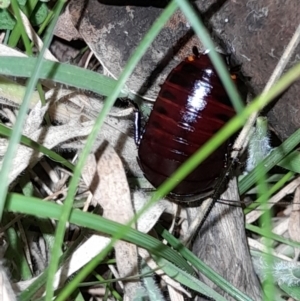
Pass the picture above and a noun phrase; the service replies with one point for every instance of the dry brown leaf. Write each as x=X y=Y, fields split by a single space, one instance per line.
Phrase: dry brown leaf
x=149 y=218
x=68 y=106
x=65 y=29
x=113 y=195
x=35 y=38
x=54 y=136
x=34 y=118
x=8 y=51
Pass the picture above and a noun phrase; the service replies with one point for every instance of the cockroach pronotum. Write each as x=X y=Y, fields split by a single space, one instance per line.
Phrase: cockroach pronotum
x=191 y=107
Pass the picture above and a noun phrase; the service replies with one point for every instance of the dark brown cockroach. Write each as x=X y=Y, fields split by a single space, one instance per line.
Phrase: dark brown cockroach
x=191 y=107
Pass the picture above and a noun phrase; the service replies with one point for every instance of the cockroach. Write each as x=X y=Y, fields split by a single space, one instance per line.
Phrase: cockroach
x=191 y=107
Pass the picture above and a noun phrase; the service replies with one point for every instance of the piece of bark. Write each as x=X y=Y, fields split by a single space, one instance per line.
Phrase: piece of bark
x=222 y=244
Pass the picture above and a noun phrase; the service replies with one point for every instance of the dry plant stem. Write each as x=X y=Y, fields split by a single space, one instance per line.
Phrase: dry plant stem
x=122 y=113
x=85 y=208
x=65 y=176
x=49 y=171
x=240 y=141
x=88 y=202
x=96 y=291
x=88 y=59
x=261 y=247
x=175 y=207
x=255 y=214
x=2 y=36
x=174 y=294
x=116 y=275
x=281 y=228
x=35 y=38
x=40 y=182
x=56 y=194
x=10 y=223
x=25 y=245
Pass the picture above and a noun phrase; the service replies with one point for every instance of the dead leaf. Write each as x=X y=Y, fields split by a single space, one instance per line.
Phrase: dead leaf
x=65 y=29
x=54 y=136
x=113 y=195
x=149 y=218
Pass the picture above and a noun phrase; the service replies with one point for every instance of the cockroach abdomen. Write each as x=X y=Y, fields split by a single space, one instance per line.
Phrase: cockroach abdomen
x=191 y=107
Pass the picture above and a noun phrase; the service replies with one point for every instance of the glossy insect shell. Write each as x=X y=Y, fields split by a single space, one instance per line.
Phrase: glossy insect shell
x=191 y=107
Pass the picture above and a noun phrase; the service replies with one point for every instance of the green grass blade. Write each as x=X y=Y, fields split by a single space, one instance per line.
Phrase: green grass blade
x=291 y=162
x=271 y=160
x=19 y=30
x=270 y=235
x=270 y=191
x=7 y=132
x=150 y=290
x=260 y=174
x=61 y=73
x=186 y=279
x=39 y=282
x=44 y=209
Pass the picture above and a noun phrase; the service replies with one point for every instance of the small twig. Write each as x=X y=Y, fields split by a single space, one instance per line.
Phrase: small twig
x=88 y=60
x=254 y=215
x=10 y=223
x=25 y=245
x=253 y=244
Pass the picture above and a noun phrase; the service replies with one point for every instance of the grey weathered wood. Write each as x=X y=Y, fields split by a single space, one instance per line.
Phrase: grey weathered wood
x=222 y=244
